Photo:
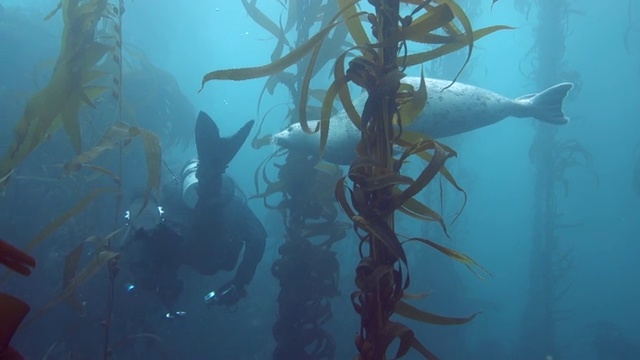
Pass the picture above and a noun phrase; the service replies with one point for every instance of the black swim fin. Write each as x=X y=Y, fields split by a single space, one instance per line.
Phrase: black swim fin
x=215 y=152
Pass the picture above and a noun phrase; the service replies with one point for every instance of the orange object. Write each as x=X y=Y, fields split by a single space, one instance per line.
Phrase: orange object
x=12 y=309
x=12 y=312
x=16 y=259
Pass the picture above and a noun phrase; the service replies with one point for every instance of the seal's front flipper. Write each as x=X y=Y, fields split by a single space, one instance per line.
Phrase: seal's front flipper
x=215 y=152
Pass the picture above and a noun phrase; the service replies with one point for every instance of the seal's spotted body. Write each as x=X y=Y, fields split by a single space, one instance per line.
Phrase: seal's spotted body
x=455 y=110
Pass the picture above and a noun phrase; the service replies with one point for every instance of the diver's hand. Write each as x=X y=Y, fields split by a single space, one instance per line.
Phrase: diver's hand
x=227 y=295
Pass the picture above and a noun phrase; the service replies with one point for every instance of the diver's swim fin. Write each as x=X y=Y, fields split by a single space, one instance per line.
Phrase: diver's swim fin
x=214 y=151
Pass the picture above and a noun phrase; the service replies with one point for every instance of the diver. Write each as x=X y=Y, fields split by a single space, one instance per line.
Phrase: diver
x=205 y=226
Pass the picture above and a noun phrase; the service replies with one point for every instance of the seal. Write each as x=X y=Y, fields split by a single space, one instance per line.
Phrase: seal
x=450 y=111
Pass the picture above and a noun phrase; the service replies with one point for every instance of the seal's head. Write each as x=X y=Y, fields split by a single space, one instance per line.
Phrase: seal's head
x=294 y=138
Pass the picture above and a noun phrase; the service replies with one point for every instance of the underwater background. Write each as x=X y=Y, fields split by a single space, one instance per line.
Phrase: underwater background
x=552 y=212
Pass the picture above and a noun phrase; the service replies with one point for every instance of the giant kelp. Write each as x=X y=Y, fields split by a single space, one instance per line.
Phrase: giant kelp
x=91 y=32
x=552 y=157
x=307 y=269
x=72 y=84
x=378 y=189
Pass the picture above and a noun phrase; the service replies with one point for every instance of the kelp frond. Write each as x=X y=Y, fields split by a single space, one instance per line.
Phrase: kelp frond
x=75 y=82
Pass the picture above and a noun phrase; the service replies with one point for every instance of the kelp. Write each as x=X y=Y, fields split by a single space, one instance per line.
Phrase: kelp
x=101 y=244
x=118 y=133
x=61 y=219
x=568 y=154
x=552 y=157
x=73 y=280
x=307 y=269
x=75 y=82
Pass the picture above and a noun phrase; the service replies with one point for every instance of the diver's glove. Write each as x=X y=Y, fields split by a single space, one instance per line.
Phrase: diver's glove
x=172 y=315
x=227 y=295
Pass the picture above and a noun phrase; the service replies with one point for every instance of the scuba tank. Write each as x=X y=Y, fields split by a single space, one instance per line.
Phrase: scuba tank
x=190 y=186
x=190 y=183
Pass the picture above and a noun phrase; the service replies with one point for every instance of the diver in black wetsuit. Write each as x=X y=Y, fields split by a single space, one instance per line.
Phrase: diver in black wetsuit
x=204 y=226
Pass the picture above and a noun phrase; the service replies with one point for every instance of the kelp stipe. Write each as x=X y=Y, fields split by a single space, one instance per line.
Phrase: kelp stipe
x=551 y=259
x=307 y=269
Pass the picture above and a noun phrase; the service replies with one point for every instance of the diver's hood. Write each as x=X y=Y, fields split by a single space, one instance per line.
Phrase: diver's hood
x=215 y=152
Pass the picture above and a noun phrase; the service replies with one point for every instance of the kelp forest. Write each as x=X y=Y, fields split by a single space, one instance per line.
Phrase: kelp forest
x=421 y=179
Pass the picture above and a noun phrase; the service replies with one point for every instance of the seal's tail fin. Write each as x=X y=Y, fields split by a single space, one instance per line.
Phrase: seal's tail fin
x=547 y=105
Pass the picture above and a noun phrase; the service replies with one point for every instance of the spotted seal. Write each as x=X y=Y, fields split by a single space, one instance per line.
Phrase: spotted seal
x=450 y=111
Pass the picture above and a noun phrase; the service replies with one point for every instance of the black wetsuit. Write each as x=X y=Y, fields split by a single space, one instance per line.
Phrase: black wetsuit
x=208 y=238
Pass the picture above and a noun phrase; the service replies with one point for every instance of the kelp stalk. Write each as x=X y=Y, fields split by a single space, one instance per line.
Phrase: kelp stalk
x=306 y=271
x=548 y=263
x=379 y=298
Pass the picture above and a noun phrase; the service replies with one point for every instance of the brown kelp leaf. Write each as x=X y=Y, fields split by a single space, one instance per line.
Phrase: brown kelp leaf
x=356 y=30
x=412 y=142
x=325 y=115
x=57 y=104
x=419 y=58
x=394 y=330
x=411 y=312
x=103 y=243
x=434 y=19
x=292 y=16
x=383 y=232
x=101 y=170
x=53 y=12
x=272 y=188
x=327 y=104
x=263 y=20
x=304 y=95
x=418 y=296
x=369 y=276
x=72 y=126
x=343 y=91
x=372 y=183
x=420 y=211
x=90 y=93
x=61 y=219
x=342 y=198
x=468 y=30
x=270 y=86
x=58 y=221
x=277 y=66
x=83 y=276
x=458 y=256
x=153 y=153
x=425 y=177
x=417 y=345
x=71 y=264
x=410 y=110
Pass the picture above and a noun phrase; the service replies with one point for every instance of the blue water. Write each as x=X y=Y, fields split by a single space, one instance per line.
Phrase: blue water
x=597 y=318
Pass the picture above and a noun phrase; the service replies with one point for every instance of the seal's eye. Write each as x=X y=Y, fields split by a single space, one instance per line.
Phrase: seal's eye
x=289 y=129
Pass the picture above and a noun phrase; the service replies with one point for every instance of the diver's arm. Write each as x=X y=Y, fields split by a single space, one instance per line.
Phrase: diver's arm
x=254 y=236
